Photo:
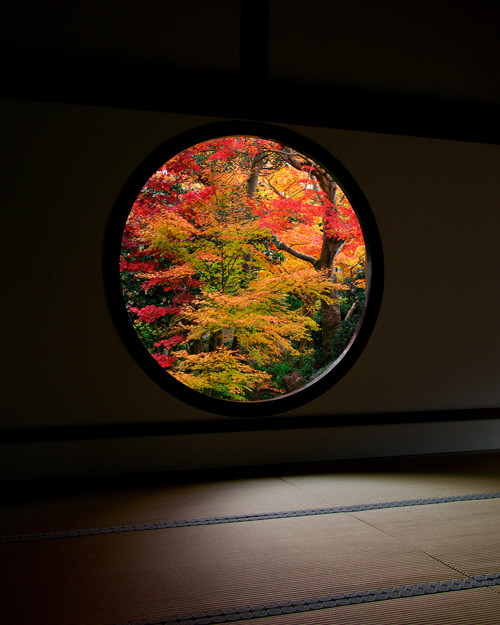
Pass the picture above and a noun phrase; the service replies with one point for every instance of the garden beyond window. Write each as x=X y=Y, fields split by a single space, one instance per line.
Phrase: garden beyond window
x=243 y=269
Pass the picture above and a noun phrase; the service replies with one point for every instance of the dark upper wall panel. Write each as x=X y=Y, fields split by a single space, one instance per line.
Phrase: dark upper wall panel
x=190 y=36
x=417 y=68
x=441 y=50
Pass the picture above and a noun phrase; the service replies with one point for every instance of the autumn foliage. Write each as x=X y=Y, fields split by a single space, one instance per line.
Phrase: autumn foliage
x=242 y=268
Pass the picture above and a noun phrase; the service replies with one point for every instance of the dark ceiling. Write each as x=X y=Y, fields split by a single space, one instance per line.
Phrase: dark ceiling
x=426 y=68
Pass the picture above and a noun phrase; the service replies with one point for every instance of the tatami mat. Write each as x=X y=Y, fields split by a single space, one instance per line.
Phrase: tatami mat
x=465 y=535
x=400 y=483
x=150 y=504
x=193 y=569
x=123 y=577
x=354 y=483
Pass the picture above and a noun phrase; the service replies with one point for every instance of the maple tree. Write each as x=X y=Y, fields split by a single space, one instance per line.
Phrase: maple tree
x=242 y=268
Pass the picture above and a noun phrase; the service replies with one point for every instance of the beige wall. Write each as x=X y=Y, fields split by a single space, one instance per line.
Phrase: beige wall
x=435 y=345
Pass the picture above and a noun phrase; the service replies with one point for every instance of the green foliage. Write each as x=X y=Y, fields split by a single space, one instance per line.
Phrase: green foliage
x=212 y=293
x=353 y=296
x=149 y=333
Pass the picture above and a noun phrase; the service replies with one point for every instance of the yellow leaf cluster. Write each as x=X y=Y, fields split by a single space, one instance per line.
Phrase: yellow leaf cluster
x=222 y=371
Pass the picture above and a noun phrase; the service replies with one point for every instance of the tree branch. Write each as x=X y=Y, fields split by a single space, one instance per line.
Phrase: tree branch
x=351 y=311
x=257 y=164
x=283 y=246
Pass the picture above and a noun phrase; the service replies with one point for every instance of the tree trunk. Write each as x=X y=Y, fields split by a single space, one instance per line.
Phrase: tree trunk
x=196 y=347
x=330 y=315
x=215 y=341
x=330 y=310
x=351 y=311
x=330 y=247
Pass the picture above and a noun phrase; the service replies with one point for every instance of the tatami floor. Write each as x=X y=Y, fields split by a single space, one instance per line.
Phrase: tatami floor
x=108 y=552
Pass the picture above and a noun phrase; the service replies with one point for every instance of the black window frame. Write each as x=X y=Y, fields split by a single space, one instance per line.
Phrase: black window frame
x=113 y=287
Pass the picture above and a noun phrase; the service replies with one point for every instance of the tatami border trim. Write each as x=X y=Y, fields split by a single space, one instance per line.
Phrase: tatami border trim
x=265 y=516
x=322 y=603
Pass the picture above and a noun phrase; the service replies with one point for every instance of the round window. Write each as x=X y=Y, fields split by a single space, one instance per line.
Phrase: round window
x=248 y=267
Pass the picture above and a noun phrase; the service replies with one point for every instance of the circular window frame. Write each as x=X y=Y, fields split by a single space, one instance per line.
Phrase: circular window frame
x=374 y=269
